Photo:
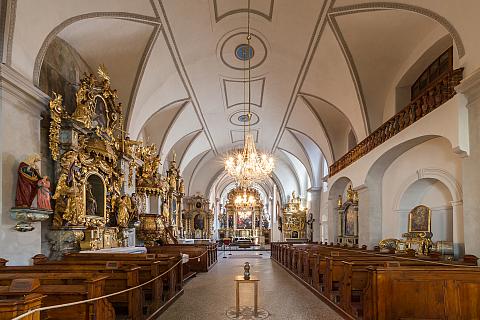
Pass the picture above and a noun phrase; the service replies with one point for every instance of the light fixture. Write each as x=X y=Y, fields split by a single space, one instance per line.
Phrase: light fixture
x=245 y=200
x=247 y=166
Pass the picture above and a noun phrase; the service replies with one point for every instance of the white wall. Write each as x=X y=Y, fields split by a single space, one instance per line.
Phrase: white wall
x=19 y=137
x=403 y=188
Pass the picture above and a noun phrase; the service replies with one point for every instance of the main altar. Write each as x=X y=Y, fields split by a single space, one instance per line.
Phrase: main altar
x=244 y=217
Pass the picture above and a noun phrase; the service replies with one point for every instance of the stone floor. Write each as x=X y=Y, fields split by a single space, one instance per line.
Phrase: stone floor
x=211 y=295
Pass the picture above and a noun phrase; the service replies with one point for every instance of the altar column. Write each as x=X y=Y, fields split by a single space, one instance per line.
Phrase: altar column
x=458 y=234
x=21 y=106
x=470 y=88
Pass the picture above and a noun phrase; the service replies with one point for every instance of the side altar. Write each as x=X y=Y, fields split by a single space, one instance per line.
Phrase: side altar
x=91 y=155
x=294 y=220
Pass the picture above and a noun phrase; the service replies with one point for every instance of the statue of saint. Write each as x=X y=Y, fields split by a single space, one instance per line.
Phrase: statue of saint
x=91 y=202
x=310 y=222
x=28 y=177
x=43 y=194
x=84 y=111
x=123 y=215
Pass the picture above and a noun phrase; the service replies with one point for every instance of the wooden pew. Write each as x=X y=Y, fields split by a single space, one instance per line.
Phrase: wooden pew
x=13 y=306
x=119 y=278
x=60 y=288
x=422 y=293
x=162 y=289
x=200 y=264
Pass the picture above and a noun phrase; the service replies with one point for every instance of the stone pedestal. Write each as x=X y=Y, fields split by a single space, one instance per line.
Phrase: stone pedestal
x=63 y=241
x=26 y=216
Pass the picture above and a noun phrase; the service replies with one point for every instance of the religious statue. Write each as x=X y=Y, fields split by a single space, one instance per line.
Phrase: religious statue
x=84 y=110
x=91 y=202
x=123 y=215
x=28 y=177
x=310 y=222
x=43 y=194
x=182 y=187
x=69 y=201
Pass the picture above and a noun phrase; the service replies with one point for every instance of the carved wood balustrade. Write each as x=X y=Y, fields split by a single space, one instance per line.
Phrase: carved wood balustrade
x=434 y=96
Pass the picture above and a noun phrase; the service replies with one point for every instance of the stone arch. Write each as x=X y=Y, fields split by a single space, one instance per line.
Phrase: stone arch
x=437 y=174
x=92 y=15
x=360 y=7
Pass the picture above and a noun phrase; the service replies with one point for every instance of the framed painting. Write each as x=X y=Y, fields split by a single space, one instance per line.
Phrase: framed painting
x=420 y=219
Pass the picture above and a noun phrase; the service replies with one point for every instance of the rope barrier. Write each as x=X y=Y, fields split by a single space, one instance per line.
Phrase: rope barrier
x=57 y=306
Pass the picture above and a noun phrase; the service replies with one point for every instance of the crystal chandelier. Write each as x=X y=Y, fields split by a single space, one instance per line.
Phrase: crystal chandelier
x=245 y=200
x=247 y=166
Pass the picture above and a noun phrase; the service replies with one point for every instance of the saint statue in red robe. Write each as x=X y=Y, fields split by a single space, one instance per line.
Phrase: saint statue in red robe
x=43 y=194
x=28 y=177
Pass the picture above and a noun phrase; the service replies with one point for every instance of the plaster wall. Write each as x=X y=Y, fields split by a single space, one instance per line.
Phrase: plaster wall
x=403 y=188
x=20 y=109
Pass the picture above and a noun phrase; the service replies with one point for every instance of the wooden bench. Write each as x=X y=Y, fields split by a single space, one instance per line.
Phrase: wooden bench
x=422 y=293
x=60 y=288
x=200 y=264
x=12 y=306
x=151 y=266
x=341 y=277
x=119 y=278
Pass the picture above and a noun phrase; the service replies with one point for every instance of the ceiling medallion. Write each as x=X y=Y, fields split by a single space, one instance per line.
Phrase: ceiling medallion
x=247 y=166
x=244 y=52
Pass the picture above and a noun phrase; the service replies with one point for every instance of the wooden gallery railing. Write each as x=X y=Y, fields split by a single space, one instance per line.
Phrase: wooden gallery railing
x=435 y=95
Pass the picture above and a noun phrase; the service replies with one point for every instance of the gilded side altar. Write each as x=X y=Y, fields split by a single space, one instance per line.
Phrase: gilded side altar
x=91 y=153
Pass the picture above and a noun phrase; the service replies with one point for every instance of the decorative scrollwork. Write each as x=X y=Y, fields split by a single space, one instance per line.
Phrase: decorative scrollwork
x=56 y=111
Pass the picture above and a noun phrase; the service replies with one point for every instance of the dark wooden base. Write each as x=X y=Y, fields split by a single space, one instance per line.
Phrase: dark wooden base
x=327 y=301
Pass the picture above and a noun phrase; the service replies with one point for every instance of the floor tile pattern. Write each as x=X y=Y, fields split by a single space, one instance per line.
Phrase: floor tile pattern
x=210 y=296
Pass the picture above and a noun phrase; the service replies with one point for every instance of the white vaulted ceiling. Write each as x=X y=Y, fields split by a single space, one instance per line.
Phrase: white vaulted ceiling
x=321 y=70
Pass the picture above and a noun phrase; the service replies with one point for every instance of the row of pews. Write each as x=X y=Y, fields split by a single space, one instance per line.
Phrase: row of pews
x=137 y=286
x=205 y=254
x=363 y=284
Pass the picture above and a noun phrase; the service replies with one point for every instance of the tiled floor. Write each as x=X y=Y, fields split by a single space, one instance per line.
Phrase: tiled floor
x=210 y=295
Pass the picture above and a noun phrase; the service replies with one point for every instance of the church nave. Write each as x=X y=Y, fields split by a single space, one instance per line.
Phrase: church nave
x=210 y=295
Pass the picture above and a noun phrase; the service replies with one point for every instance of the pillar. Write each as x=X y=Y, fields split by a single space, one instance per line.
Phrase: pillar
x=470 y=88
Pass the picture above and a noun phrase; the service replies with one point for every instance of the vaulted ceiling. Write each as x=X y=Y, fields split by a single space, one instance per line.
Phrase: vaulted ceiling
x=323 y=71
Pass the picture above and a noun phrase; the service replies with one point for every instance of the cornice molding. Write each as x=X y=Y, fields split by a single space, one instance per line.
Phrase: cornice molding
x=21 y=89
x=470 y=87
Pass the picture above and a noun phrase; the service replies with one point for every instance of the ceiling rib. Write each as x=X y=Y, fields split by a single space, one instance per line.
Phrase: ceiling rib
x=172 y=46
x=312 y=46
x=353 y=69
x=140 y=71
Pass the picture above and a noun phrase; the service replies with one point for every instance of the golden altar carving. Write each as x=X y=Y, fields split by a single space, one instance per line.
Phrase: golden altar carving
x=294 y=219
x=244 y=217
x=347 y=222
x=197 y=218
x=419 y=235
x=88 y=147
